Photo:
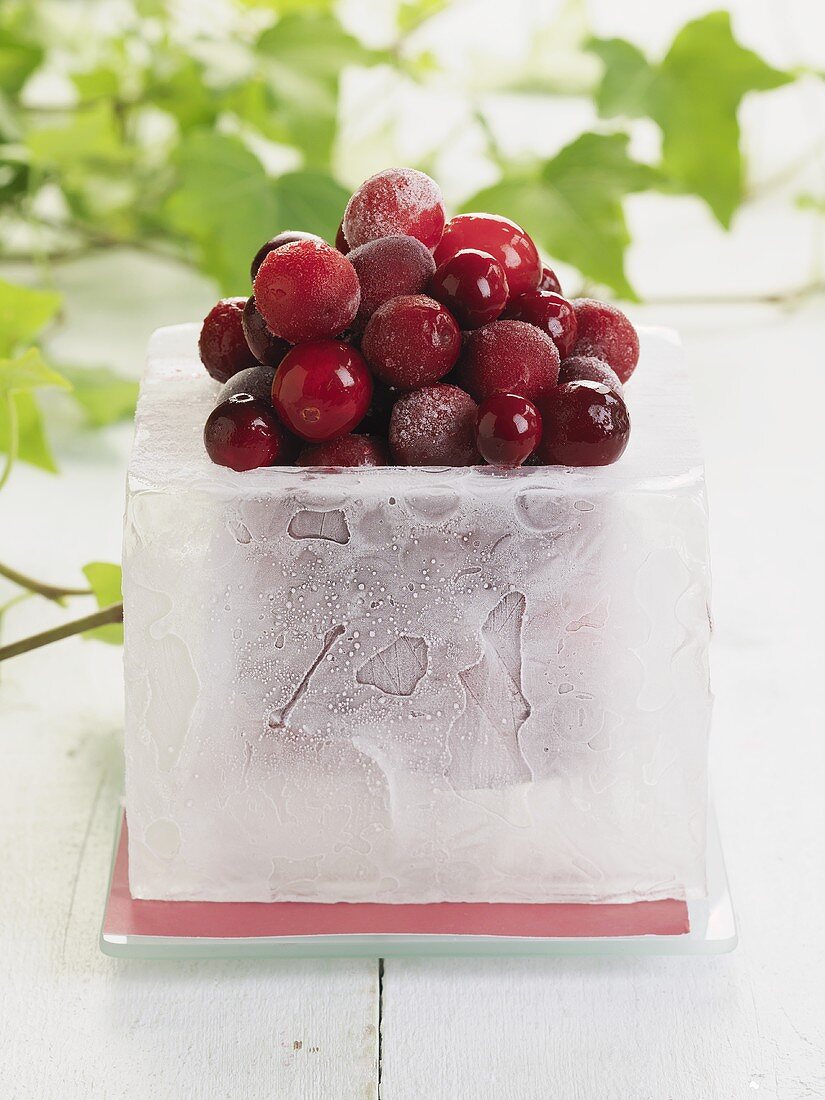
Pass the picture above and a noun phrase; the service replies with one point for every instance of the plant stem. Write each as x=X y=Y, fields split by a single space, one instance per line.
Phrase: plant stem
x=111 y=614
x=49 y=591
x=14 y=438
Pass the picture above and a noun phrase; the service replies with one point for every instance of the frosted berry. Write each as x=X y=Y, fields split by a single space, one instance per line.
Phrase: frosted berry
x=508 y=429
x=434 y=426
x=605 y=332
x=551 y=313
x=341 y=241
x=508 y=357
x=584 y=424
x=222 y=344
x=389 y=267
x=307 y=291
x=502 y=239
x=472 y=285
x=549 y=280
x=322 y=390
x=587 y=368
x=398 y=201
x=266 y=347
x=255 y=381
x=411 y=341
x=349 y=450
x=243 y=434
x=289 y=236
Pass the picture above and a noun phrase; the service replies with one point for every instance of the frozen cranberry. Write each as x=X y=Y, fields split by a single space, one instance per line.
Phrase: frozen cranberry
x=222 y=344
x=508 y=357
x=398 y=201
x=322 y=390
x=243 y=434
x=502 y=239
x=255 y=381
x=508 y=429
x=411 y=341
x=341 y=241
x=549 y=312
x=549 y=280
x=266 y=347
x=289 y=236
x=585 y=424
x=349 y=450
x=605 y=332
x=307 y=291
x=587 y=368
x=389 y=267
x=472 y=285
x=434 y=426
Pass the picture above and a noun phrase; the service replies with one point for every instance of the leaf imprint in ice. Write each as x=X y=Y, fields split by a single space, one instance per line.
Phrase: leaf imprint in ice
x=331 y=526
x=277 y=720
x=397 y=669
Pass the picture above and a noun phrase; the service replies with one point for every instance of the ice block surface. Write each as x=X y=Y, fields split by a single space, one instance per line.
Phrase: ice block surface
x=415 y=684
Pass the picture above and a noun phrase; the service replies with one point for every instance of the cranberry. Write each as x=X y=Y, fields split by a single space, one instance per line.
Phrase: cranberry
x=389 y=267
x=585 y=424
x=254 y=381
x=349 y=450
x=605 y=332
x=472 y=285
x=398 y=201
x=222 y=344
x=289 y=236
x=341 y=240
x=307 y=291
x=411 y=341
x=243 y=434
x=434 y=426
x=502 y=239
x=587 y=368
x=509 y=357
x=266 y=347
x=549 y=280
x=322 y=390
x=549 y=312
x=508 y=429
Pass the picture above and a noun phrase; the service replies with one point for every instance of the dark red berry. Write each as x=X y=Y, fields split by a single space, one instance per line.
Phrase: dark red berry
x=551 y=313
x=243 y=434
x=500 y=238
x=434 y=426
x=349 y=450
x=266 y=347
x=605 y=332
x=549 y=280
x=508 y=429
x=585 y=424
x=389 y=267
x=307 y=291
x=396 y=202
x=255 y=381
x=411 y=341
x=508 y=357
x=322 y=390
x=222 y=344
x=289 y=236
x=472 y=285
x=341 y=241
x=587 y=368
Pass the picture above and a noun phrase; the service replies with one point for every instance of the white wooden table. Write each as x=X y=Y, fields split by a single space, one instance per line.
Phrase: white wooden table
x=752 y=1024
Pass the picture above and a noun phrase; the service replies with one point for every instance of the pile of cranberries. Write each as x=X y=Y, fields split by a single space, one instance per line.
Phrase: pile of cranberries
x=414 y=341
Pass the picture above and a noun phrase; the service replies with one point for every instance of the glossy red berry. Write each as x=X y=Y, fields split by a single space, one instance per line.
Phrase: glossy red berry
x=508 y=429
x=472 y=285
x=222 y=344
x=322 y=390
x=341 y=241
x=549 y=312
x=387 y=268
x=549 y=280
x=584 y=424
x=605 y=332
x=289 y=236
x=243 y=434
x=500 y=238
x=587 y=368
x=396 y=202
x=434 y=426
x=349 y=450
x=411 y=341
x=307 y=291
x=254 y=381
x=508 y=357
x=264 y=345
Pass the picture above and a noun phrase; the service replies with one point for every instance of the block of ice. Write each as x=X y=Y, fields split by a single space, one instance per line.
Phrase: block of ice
x=415 y=684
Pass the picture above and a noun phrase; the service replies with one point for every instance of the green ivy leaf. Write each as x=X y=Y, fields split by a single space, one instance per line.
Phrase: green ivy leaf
x=104 y=396
x=28 y=372
x=626 y=83
x=89 y=135
x=311 y=201
x=23 y=314
x=18 y=60
x=32 y=441
x=105 y=581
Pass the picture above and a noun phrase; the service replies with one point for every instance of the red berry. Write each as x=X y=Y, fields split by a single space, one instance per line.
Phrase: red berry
x=508 y=429
x=222 y=344
x=349 y=450
x=322 y=390
x=587 y=368
x=472 y=285
x=289 y=236
x=585 y=424
x=411 y=341
x=605 y=332
x=502 y=239
x=255 y=381
x=549 y=280
x=389 y=267
x=434 y=426
x=341 y=240
x=243 y=434
x=549 y=312
x=266 y=347
x=307 y=291
x=398 y=201
x=508 y=357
